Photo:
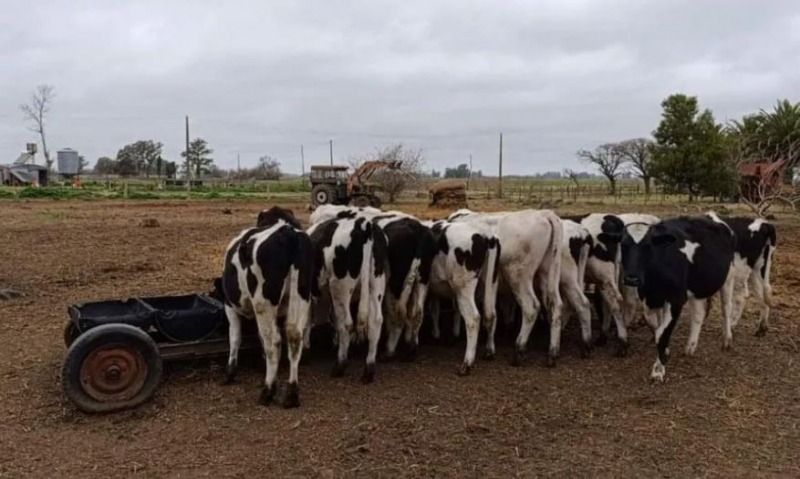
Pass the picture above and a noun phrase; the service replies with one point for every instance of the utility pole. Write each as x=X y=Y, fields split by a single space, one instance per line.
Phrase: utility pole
x=500 y=175
x=302 y=161
x=331 y=144
x=469 y=178
x=188 y=164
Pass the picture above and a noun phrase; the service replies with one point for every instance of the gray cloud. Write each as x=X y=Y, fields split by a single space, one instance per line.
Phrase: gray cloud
x=265 y=77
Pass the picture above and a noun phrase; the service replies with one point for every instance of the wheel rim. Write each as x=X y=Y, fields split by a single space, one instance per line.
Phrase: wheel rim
x=117 y=373
x=322 y=196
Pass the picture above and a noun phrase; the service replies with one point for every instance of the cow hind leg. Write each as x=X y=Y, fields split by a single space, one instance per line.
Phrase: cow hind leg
x=394 y=327
x=578 y=303
x=267 y=320
x=529 y=304
x=235 y=341
x=344 y=324
x=763 y=294
x=697 y=311
x=472 y=320
x=457 y=319
x=434 y=308
x=374 y=329
x=295 y=327
x=727 y=300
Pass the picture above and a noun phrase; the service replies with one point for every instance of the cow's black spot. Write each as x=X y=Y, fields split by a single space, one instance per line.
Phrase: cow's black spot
x=575 y=245
x=408 y=239
x=346 y=214
x=275 y=256
x=380 y=251
x=348 y=260
x=230 y=278
x=304 y=262
x=752 y=245
x=474 y=258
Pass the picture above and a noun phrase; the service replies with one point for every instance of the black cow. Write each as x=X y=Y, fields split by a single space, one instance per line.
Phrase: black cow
x=675 y=261
x=755 y=246
x=268 y=270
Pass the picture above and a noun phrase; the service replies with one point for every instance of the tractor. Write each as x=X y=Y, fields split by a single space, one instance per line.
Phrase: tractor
x=334 y=185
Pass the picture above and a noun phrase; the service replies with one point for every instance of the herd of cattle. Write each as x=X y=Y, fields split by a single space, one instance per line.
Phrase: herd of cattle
x=387 y=264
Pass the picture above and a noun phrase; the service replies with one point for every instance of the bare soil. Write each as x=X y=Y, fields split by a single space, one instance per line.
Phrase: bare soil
x=720 y=414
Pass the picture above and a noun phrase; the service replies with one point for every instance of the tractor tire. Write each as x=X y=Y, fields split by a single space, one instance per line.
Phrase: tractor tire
x=323 y=195
x=360 y=201
x=110 y=368
x=375 y=201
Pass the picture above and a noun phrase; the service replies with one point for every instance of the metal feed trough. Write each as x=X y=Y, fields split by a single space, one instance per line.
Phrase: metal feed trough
x=116 y=348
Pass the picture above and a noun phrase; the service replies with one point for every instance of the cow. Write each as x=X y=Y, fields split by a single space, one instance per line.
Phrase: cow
x=630 y=298
x=602 y=270
x=577 y=243
x=411 y=248
x=350 y=258
x=268 y=270
x=466 y=259
x=530 y=263
x=677 y=261
x=755 y=247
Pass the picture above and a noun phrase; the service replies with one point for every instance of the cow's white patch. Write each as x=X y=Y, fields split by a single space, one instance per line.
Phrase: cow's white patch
x=689 y=250
x=637 y=231
x=755 y=226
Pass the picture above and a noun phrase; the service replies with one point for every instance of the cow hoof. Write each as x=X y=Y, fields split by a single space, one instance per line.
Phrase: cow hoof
x=369 y=374
x=690 y=349
x=292 y=399
x=551 y=360
x=727 y=345
x=338 y=370
x=657 y=376
x=761 y=331
x=267 y=394
x=488 y=355
x=464 y=369
x=601 y=340
x=517 y=358
x=622 y=349
x=586 y=350
x=230 y=375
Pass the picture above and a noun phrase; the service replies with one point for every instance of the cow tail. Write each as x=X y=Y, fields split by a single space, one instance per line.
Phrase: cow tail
x=490 y=280
x=552 y=296
x=301 y=274
x=769 y=250
x=362 y=318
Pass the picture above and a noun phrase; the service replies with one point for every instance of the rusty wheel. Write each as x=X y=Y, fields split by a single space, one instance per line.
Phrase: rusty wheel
x=111 y=367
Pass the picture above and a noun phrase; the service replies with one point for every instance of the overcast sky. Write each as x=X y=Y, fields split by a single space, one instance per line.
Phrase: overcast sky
x=263 y=77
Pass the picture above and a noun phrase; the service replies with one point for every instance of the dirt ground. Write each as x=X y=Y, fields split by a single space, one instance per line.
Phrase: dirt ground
x=720 y=414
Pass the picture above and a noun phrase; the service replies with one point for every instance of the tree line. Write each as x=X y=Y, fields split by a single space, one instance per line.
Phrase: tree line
x=691 y=153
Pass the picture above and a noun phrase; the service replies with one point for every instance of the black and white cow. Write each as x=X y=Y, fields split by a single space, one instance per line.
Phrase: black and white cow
x=268 y=270
x=630 y=298
x=466 y=265
x=677 y=261
x=755 y=246
x=602 y=270
x=577 y=244
x=411 y=249
x=350 y=258
x=530 y=264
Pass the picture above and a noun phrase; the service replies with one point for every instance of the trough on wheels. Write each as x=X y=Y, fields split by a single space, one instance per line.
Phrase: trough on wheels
x=116 y=348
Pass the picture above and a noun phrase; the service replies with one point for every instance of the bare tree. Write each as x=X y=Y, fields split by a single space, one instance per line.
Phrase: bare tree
x=393 y=169
x=35 y=111
x=762 y=168
x=638 y=154
x=608 y=160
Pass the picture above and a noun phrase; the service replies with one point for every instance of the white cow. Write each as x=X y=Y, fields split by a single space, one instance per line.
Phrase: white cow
x=530 y=257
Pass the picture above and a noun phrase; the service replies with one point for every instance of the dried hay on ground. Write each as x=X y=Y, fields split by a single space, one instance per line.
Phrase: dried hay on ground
x=448 y=193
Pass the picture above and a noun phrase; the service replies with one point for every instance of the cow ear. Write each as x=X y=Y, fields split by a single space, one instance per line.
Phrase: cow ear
x=609 y=237
x=664 y=239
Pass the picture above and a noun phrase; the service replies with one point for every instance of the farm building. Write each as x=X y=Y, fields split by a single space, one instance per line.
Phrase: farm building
x=23 y=173
x=767 y=175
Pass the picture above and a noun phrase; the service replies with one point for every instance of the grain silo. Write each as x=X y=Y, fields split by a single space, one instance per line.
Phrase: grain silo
x=69 y=162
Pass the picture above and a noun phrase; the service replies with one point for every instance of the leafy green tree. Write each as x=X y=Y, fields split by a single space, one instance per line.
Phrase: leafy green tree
x=139 y=157
x=199 y=157
x=106 y=166
x=690 y=150
x=82 y=164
